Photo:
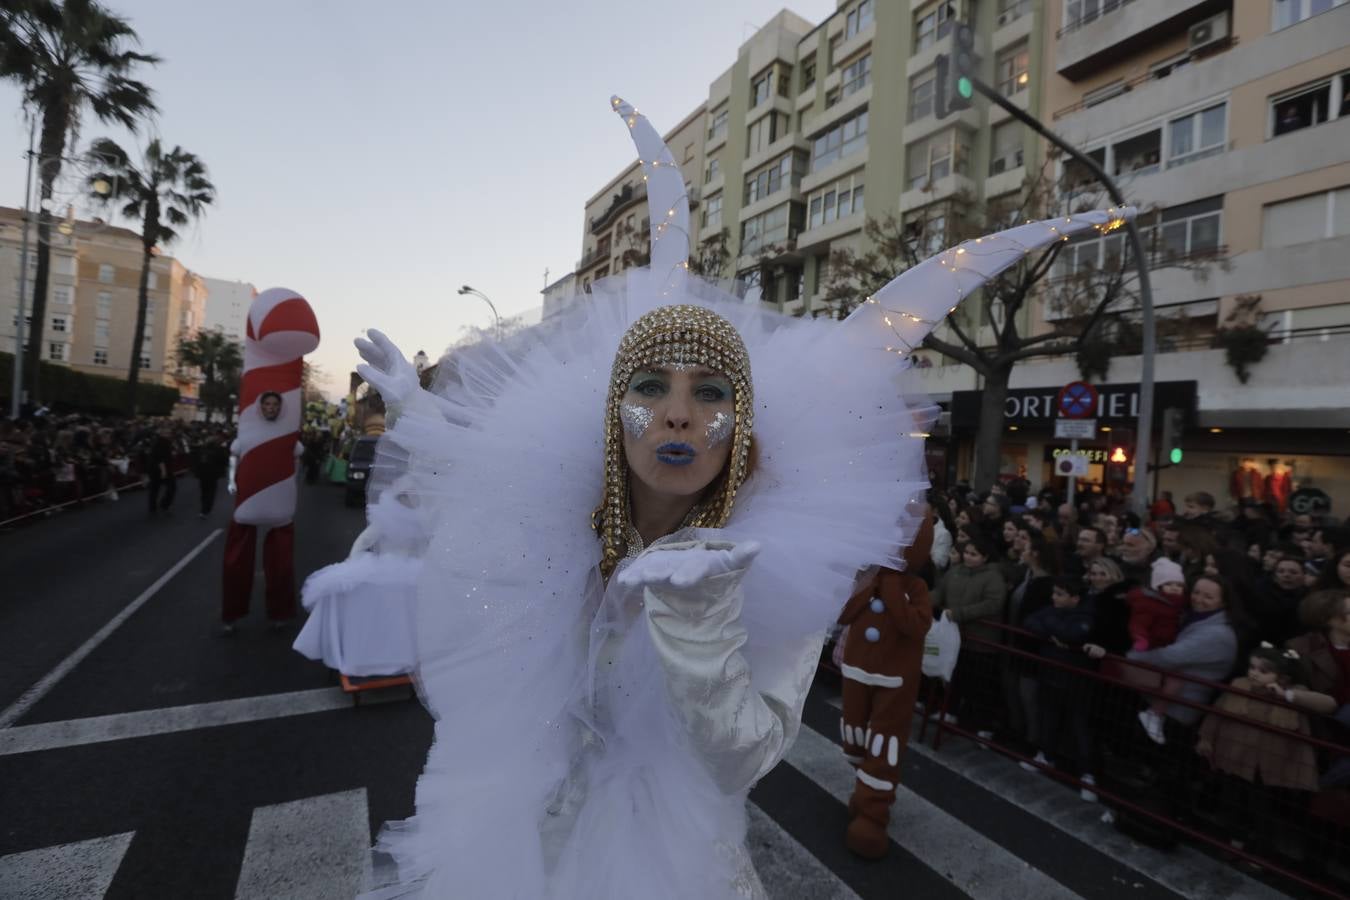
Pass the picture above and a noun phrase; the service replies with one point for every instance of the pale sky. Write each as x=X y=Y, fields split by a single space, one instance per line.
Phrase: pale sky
x=375 y=157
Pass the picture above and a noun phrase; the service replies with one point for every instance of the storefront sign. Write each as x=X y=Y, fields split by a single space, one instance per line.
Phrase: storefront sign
x=1083 y=429
x=1092 y=456
x=1116 y=404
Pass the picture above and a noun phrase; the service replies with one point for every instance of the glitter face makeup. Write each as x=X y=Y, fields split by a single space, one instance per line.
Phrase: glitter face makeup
x=636 y=419
x=720 y=429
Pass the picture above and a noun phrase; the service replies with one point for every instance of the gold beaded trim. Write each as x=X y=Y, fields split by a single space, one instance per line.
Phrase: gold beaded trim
x=674 y=335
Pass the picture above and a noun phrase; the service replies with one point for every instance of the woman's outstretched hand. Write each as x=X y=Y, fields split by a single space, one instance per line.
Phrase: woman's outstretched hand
x=386 y=368
x=682 y=566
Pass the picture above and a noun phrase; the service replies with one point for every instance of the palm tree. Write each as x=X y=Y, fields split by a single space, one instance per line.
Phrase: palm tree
x=66 y=56
x=220 y=360
x=165 y=190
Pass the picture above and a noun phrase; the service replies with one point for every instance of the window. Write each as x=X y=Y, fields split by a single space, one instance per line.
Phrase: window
x=1006 y=147
x=1310 y=105
x=1011 y=10
x=1080 y=12
x=59 y=324
x=857 y=19
x=1291 y=12
x=937 y=157
x=101 y=334
x=808 y=74
x=933 y=23
x=844 y=139
x=152 y=280
x=778 y=224
x=836 y=201
x=718 y=128
x=100 y=357
x=1011 y=69
x=1190 y=230
x=61 y=296
x=856 y=75
x=1138 y=155
x=834 y=50
x=1170 y=65
x=1105 y=92
x=1315 y=217
x=764 y=131
x=761 y=88
x=150 y=303
x=921 y=95
x=769 y=180
x=712 y=212
x=145 y=361
x=714 y=169
x=106 y=273
x=104 y=305
x=56 y=352
x=927 y=230
x=1198 y=135
x=64 y=265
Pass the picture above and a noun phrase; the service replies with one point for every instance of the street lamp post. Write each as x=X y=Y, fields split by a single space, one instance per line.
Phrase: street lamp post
x=497 y=320
x=16 y=383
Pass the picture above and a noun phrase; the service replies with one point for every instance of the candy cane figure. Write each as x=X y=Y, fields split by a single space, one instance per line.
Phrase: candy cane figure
x=281 y=330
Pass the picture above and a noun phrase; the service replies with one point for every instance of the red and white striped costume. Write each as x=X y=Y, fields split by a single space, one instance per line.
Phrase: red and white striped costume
x=281 y=330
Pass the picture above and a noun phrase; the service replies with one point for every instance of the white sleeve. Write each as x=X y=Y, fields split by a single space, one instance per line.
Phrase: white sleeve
x=740 y=730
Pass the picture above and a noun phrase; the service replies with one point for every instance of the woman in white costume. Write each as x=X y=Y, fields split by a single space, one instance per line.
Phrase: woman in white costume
x=624 y=564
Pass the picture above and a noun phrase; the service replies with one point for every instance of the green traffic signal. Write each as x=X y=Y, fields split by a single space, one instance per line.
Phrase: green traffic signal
x=965 y=88
x=1175 y=455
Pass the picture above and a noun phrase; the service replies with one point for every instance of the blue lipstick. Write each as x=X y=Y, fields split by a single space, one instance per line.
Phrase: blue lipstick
x=675 y=454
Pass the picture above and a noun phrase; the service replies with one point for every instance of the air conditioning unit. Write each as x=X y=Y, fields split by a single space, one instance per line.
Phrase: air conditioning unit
x=1210 y=31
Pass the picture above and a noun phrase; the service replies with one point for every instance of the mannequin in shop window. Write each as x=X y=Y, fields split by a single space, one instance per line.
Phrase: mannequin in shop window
x=1279 y=485
x=1247 y=483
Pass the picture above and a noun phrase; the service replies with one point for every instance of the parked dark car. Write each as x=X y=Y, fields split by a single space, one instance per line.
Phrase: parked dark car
x=359 y=461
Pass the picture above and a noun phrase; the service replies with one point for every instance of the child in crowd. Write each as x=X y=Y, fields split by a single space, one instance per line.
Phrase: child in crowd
x=1155 y=619
x=1256 y=756
x=1062 y=693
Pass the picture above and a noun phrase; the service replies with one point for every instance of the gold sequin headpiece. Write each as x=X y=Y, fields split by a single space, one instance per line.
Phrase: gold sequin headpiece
x=674 y=336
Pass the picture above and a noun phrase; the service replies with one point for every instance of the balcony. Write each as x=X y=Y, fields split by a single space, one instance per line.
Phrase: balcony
x=1107 y=31
x=621 y=201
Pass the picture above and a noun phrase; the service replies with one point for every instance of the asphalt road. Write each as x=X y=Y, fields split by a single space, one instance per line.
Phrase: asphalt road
x=171 y=762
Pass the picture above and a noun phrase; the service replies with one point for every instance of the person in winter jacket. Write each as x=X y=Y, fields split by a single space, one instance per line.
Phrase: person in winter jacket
x=1155 y=612
x=887 y=620
x=969 y=592
x=1063 y=695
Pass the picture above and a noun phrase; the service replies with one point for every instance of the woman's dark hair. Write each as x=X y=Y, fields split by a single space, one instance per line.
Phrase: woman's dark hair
x=1330 y=579
x=1232 y=603
x=1288 y=668
x=1047 y=554
x=937 y=502
x=981 y=545
x=1318 y=608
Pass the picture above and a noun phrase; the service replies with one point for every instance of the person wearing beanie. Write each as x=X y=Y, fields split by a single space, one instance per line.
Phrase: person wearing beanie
x=1155 y=612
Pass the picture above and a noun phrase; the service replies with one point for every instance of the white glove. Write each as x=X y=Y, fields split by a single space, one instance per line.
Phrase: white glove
x=682 y=566
x=234 y=464
x=386 y=369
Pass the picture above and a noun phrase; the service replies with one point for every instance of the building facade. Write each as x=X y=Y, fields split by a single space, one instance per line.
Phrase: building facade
x=227 y=304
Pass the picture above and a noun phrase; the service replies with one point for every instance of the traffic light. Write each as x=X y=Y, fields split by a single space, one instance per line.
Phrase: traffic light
x=1119 y=454
x=955 y=83
x=1174 y=425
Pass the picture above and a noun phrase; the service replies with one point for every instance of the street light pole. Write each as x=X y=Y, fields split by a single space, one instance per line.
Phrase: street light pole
x=16 y=383
x=497 y=320
x=1144 y=433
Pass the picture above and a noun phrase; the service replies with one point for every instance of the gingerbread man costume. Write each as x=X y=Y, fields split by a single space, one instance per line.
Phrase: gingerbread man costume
x=887 y=620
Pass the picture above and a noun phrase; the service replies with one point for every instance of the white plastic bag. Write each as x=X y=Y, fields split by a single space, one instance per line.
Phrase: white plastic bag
x=941 y=647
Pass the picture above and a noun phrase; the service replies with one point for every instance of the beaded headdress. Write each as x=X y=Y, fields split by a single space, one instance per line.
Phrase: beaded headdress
x=675 y=336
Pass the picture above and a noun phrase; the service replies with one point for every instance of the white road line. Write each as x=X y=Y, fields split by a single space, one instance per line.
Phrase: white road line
x=785 y=867
x=316 y=848
x=950 y=847
x=35 y=693
x=82 y=870
x=97 y=729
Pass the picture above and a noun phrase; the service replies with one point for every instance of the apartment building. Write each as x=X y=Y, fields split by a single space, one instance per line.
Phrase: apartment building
x=227 y=304
x=1228 y=123
x=92 y=298
x=616 y=222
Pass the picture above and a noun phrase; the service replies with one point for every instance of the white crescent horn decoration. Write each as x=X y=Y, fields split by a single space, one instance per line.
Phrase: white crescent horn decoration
x=900 y=315
x=667 y=200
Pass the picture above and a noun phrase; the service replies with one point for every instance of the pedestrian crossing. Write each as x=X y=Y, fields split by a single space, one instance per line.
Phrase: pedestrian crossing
x=319 y=846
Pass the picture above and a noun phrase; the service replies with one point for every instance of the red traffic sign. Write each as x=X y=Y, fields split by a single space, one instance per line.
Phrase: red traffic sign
x=1077 y=400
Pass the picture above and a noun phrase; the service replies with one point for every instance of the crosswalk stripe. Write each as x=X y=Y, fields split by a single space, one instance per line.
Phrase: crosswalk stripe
x=785 y=867
x=944 y=843
x=143 y=723
x=311 y=849
x=82 y=870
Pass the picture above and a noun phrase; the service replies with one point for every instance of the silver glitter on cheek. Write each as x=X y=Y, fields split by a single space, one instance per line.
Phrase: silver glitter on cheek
x=636 y=419
x=720 y=428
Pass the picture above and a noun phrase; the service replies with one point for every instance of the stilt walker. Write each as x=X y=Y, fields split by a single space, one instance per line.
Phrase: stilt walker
x=887 y=620
x=281 y=330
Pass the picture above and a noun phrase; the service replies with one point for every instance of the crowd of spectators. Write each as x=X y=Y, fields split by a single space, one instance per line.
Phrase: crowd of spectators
x=1168 y=610
x=52 y=462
